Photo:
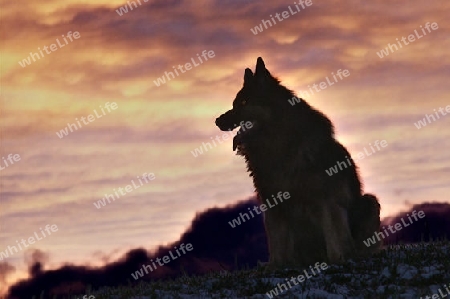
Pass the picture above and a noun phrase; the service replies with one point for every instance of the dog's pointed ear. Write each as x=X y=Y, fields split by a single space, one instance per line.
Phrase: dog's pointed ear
x=262 y=75
x=260 y=65
x=248 y=75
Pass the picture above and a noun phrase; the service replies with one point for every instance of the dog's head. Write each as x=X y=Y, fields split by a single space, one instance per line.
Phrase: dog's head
x=254 y=107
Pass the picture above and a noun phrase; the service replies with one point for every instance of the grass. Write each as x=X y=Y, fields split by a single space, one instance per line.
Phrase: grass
x=401 y=271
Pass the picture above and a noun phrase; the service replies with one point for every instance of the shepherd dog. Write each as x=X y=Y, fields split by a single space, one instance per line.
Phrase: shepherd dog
x=288 y=148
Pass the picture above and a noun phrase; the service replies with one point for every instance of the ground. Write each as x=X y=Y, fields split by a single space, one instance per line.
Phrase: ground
x=404 y=271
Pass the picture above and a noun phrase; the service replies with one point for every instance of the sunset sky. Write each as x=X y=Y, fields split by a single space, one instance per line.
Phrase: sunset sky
x=154 y=128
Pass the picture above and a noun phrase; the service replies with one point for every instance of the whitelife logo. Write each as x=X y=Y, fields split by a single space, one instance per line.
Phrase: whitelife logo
x=31 y=240
x=90 y=118
x=423 y=122
x=411 y=38
x=53 y=48
x=199 y=151
x=360 y=156
x=280 y=195
x=393 y=229
x=128 y=188
x=187 y=65
x=166 y=259
x=123 y=9
x=285 y=14
x=323 y=85
x=10 y=158
x=440 y=295
x=301 y=278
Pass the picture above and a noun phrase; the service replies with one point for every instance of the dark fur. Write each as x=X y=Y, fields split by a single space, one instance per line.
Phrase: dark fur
x=288 y=149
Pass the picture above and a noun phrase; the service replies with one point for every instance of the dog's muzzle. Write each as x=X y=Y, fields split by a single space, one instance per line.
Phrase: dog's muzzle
x=227 y=121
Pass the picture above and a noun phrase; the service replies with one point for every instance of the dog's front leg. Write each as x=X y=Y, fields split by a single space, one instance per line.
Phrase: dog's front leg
x=277 y=238
x=336 y=229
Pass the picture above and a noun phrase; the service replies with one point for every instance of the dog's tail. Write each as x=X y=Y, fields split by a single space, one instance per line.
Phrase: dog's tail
x=364 y=223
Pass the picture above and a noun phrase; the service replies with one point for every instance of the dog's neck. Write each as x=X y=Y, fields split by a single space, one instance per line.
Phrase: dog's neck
x=261 y=162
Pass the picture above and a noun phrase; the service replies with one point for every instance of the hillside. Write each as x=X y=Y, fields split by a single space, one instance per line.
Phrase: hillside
x=409 y=271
